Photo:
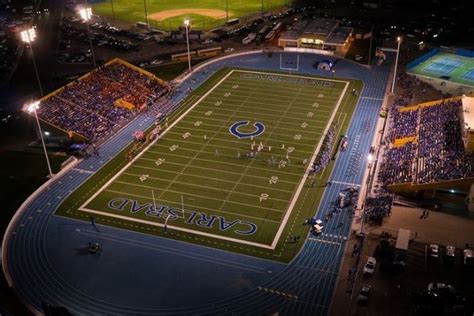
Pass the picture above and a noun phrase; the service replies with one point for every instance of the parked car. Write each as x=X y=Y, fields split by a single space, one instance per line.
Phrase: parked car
x=468 y=256
x=364 y=294
x=369 y=267
x=434 y=251
x=450 y=251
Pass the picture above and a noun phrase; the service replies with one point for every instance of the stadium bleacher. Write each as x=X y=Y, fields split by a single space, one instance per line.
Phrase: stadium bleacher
x=425 y=145
x=89 y=107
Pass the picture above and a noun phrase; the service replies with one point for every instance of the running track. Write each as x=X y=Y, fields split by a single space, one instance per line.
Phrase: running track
x=45 y=257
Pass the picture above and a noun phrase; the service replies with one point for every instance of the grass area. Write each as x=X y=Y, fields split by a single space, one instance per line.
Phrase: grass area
x=457 y=68
x=134 y=10
x=198 y=180
x=170 y=71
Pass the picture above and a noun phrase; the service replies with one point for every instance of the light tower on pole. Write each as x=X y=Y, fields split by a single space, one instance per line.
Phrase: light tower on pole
x=186 y=24
x=86 y=16
x=28 y=36
x=32 y=108
x=399 y=40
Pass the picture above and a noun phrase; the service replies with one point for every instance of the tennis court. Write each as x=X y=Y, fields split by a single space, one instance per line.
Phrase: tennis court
x=446 y=66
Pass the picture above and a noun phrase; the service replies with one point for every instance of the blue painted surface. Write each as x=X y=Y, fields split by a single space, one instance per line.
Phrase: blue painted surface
x=138 y=274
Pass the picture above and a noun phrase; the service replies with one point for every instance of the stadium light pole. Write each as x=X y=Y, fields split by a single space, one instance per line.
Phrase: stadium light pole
x=186 y=24
x=28 y=36
x=32 y=108
x=399 y=40
x=86 y=15
x=226 y=10
x=146 y=13
x=113 y=11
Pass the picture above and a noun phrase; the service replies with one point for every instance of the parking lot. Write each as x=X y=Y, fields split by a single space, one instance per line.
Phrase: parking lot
x=403 y=291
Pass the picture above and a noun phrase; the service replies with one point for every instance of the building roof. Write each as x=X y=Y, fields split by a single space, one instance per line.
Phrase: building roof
x=339 y=35
x=290 y=35
x=321 y=27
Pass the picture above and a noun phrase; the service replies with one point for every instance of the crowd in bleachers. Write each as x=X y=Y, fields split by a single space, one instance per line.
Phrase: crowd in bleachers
x=403 y=124
x=441 y=148
x=397 y=165
x=437 y=154
x=87 y=106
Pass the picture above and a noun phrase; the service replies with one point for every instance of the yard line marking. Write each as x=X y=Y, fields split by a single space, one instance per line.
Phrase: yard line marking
x=200 y=207
x=204 y=168
x=266 y=113
x=216 y=179
x=231 y=138
x=83 y=171
x=197 y=195
x=218 y=162
x=189 y=141
x=291 y=130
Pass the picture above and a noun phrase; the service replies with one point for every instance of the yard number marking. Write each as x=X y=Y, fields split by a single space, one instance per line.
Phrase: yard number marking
x=198 y=123
x=297 y=137
x=273 y=180
x=304 y=125
x=208 y=113
x=290 y=149
x=186 y=135
x=159 y=161
x=310 y=114
x=143 y=177
x=315 y=105
x=174 y=147
x=227 y=94
x=263 y=197
x=235 y=86
x=218 y=103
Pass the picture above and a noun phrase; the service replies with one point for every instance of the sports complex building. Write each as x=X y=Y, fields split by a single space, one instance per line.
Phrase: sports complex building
x=209 y=198
x=192 y=222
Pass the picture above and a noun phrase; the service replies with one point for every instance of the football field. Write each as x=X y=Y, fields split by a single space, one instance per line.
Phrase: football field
x=232 y=168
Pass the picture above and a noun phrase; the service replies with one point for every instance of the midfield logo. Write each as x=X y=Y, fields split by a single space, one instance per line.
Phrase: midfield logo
x=234 y=129
x=200 y=219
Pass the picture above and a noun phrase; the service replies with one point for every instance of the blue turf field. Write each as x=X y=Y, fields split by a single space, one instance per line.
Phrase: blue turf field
x=46 y=258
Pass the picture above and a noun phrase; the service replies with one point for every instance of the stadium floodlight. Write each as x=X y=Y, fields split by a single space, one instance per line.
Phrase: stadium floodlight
x=187 y=24
x=32 y=108
x=399 y=41
x=28 y=36
x=86 y=15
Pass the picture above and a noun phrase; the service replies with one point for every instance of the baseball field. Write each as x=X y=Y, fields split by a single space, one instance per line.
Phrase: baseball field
x=169 y=15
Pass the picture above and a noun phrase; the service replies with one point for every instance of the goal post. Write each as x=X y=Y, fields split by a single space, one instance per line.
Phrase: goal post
x=287 y=64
